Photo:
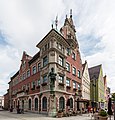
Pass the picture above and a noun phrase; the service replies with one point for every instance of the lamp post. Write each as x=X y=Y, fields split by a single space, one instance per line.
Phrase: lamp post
x=113 y=99
x=80 y=95
x=93 y=85
x=114 y=109
x=109 y=108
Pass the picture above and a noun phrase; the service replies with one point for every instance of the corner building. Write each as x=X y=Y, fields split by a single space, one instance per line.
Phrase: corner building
x=30 y=86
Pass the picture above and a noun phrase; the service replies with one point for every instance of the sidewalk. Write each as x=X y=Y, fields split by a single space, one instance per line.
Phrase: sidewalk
x=36 y=116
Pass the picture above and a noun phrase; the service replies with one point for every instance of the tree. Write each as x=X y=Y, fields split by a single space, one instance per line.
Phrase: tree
x=113 y=97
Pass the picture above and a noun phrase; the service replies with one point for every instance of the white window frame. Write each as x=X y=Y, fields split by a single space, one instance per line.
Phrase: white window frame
x=61 y=79
x=67 y=66
x=74 y=70
x=39 y=66
x=60 y=60
x=28 y=75
x=67 y=82
x=79 y=74
x=45 y=80
x=74 y=84
x=73 y=56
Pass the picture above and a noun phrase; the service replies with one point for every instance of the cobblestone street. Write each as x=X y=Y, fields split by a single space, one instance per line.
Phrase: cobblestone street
x=6 y=115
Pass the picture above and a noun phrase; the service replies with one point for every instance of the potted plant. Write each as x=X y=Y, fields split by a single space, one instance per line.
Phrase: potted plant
x=103 y=115
x=60 y=114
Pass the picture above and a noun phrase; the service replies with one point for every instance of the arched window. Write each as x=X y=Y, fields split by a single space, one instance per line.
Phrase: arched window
x=36 y=104
x=29 y=104
x=44 y=104
x=61 y=103
x=71 y=103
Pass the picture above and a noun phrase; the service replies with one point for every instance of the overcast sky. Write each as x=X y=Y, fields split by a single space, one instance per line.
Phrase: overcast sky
x=23 y=23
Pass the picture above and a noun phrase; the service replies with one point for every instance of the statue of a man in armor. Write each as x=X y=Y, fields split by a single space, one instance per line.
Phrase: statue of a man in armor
x=52 y=76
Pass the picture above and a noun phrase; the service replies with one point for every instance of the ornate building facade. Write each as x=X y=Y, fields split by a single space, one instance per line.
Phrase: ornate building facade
x=97 y=90
x=31 y=87
x=85 y=86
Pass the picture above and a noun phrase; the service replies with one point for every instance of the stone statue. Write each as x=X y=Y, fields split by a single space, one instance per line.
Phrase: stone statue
x=52 y=76
x=52 y=108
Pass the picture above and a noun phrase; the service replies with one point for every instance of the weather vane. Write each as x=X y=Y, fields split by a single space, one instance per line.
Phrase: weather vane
x=56 y=22
x=71 y=13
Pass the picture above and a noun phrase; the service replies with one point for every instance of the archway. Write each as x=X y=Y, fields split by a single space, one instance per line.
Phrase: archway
x=22 y=104
x=36 y=104
x=44 y=104
x=29 y=104
x=61 y=103
x=71 y=103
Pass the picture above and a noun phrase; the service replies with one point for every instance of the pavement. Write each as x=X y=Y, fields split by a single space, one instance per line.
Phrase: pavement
x=6 y=115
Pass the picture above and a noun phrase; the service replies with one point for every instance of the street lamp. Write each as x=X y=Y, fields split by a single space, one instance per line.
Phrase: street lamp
x=79 y=100
x=93 y=81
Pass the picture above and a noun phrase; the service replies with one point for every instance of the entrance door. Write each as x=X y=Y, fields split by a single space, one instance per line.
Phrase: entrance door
x=22 y=104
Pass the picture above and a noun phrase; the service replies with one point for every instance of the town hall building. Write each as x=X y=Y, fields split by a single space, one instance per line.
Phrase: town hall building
x=31 y=87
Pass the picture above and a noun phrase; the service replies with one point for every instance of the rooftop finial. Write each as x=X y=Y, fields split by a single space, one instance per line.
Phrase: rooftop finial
x=70 y=13
x=56 y=22
x=66 y=16
x=52 y=26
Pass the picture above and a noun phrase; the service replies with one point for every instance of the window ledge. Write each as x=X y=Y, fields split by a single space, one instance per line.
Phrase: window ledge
x=68 y=87
x=79 y=90
x=38 y=86
x=74 y=74
x=68 y=71
x=27 y=90
x=44 y=109
x=62 y=84
x=32 y=88
x=79 y=77
x=74 y=88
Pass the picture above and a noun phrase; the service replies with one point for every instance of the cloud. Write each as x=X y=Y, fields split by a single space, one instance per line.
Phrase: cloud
x=25 y=22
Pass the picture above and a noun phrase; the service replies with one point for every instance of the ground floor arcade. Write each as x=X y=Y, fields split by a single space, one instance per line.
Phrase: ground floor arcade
x=46 y=102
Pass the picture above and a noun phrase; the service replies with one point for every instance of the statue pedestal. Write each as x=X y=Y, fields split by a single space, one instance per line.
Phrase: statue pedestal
x=52 y=108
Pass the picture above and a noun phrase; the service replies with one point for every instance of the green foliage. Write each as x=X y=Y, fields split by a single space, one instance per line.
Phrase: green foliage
x=103 y=113
x=113 y=97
